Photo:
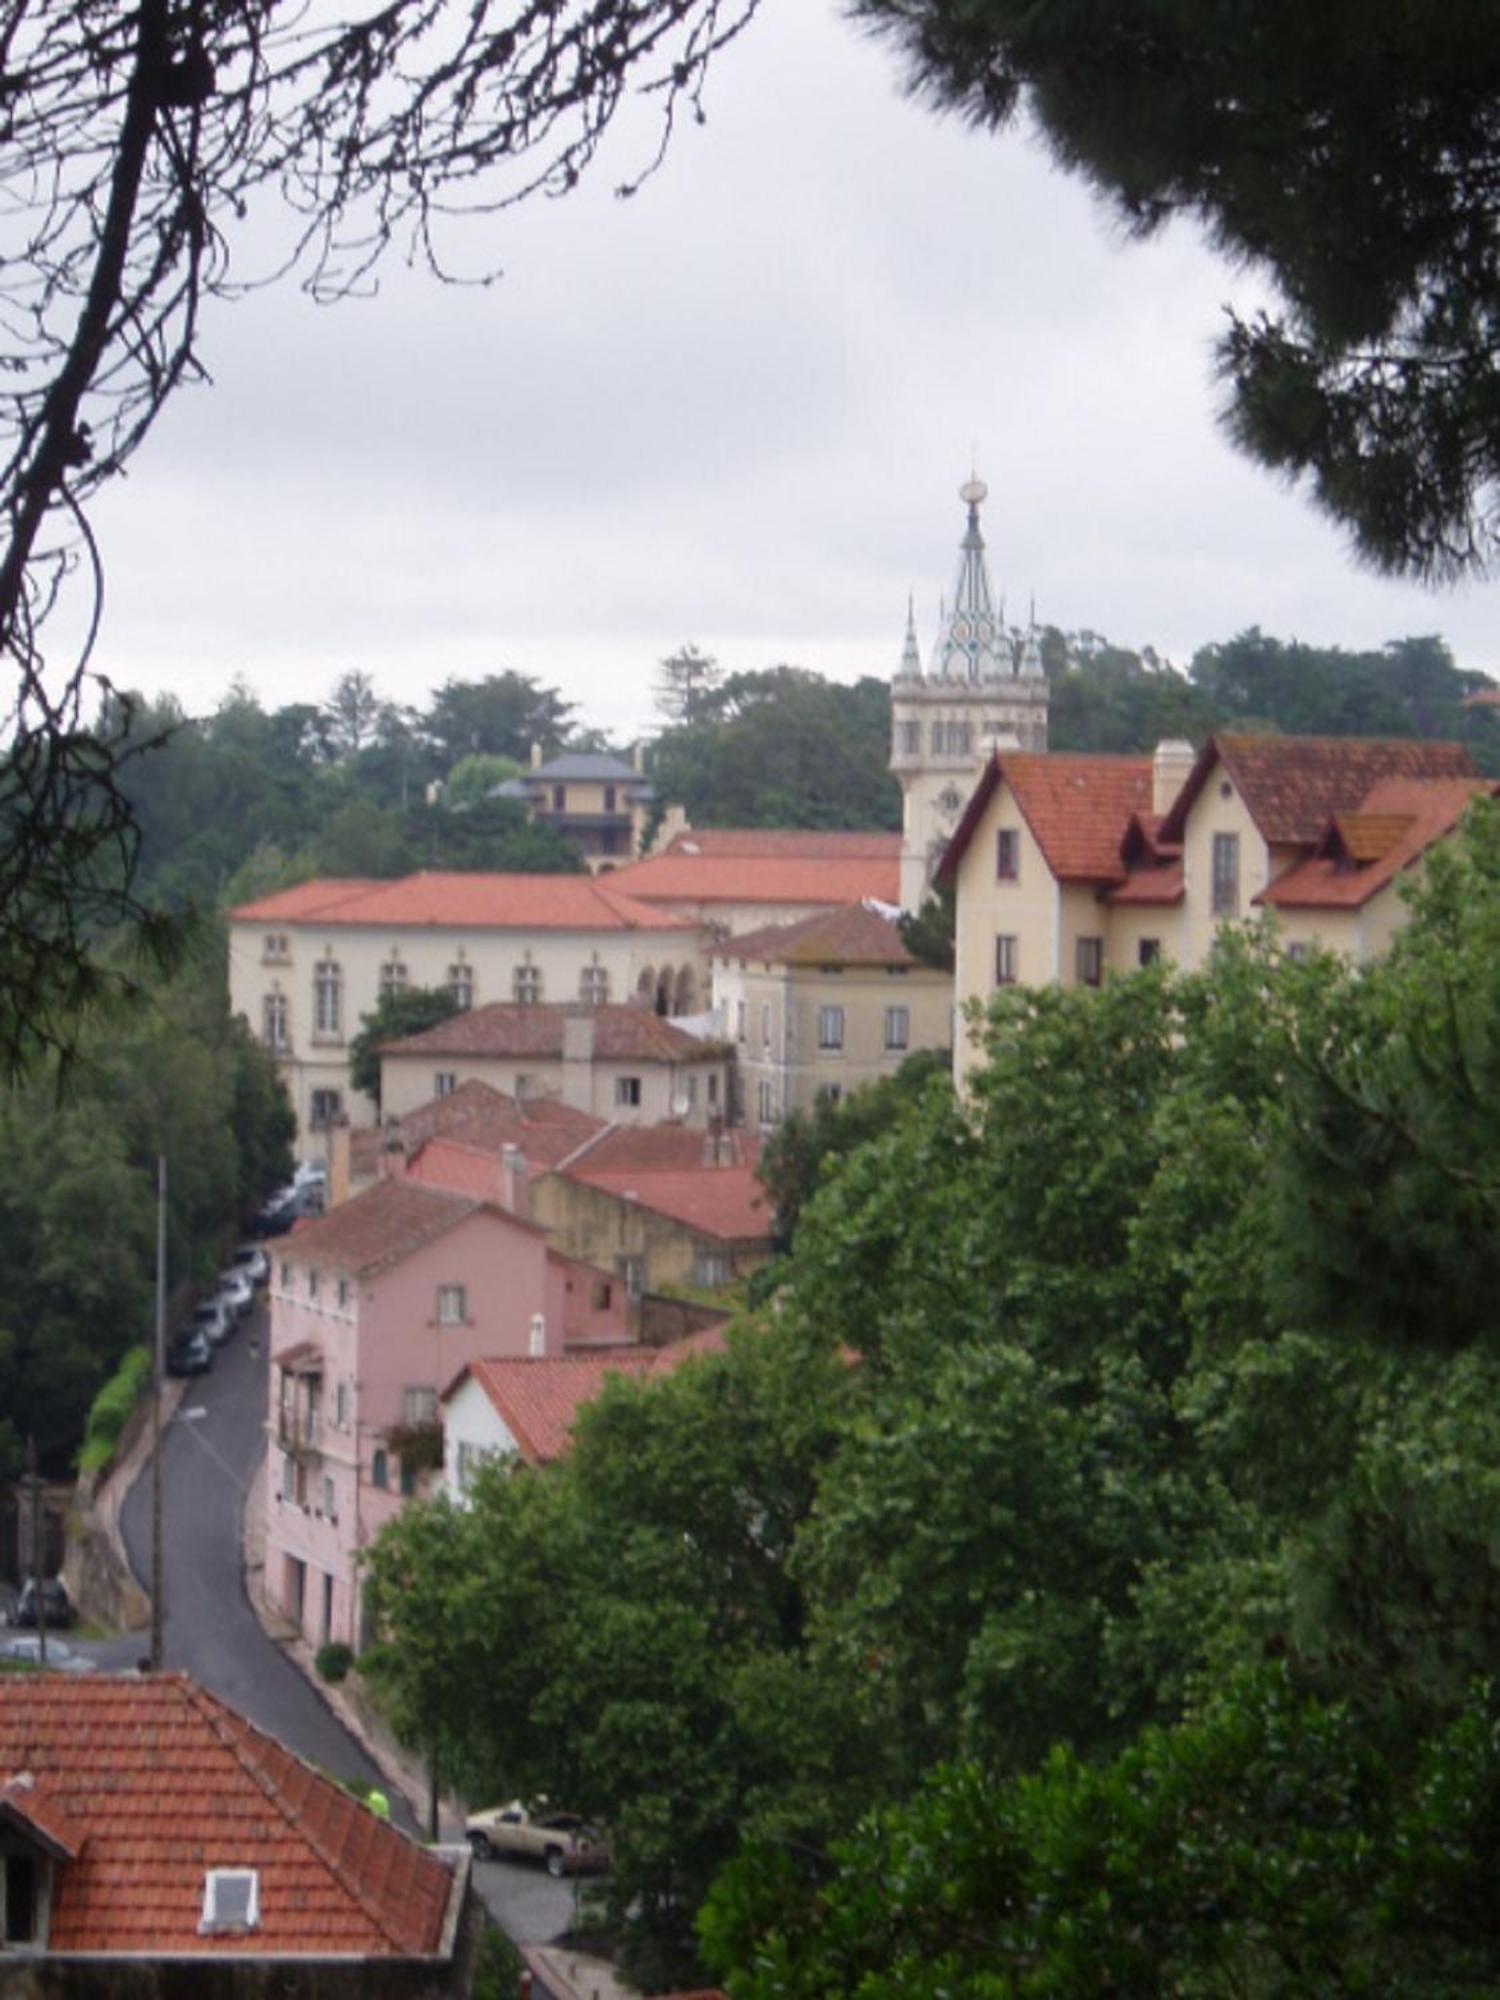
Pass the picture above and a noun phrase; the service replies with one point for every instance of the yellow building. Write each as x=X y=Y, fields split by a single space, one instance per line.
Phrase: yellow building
x=820 y=1007
x=1066 y=868
x=598 y=803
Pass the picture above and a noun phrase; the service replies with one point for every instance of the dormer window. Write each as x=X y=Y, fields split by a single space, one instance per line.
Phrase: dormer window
x=20 y=1913
x=231 y=1901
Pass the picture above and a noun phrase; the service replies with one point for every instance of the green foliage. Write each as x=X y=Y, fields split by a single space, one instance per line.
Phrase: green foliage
x=783 y=748
x=110 y=1409
x=928 y=935
x=805 y=1142
x=1346 y=155
x=334 y=1660
x=403 y=1011
x=499 y=1969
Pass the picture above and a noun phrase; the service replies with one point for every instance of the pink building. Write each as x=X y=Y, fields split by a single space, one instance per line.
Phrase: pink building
x=375 y=1307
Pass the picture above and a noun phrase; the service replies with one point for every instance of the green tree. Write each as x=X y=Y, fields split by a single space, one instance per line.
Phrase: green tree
x=405 y=1010
x=499 y=716
x=687 y=683
x=1347 y=158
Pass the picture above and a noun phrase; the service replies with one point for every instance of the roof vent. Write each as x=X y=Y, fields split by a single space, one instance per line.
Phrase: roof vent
x=231 y=1900
x=538 y=1337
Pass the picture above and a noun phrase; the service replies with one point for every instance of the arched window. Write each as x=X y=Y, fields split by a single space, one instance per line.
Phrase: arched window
x=380 y=1469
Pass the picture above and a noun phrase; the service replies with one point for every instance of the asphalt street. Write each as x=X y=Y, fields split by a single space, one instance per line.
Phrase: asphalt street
x=210 y=1454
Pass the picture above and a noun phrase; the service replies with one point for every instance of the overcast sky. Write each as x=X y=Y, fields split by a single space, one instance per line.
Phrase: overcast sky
x=736 y=411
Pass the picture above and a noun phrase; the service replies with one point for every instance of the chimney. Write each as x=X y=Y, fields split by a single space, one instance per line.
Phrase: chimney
x=1170 y=766
x=536 y=756
x=578 y=1059
x=513 y=1189
x=538 y=1337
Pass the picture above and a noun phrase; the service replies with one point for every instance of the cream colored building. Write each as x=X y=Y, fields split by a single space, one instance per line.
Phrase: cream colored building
x=306 y=964
x=817 y=1008
x=985 y=686
x=598 y=803
x=1066 y=868
x=622 y=1064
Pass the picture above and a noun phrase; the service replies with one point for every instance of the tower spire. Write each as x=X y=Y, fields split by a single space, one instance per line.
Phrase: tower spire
x=910 y=668
x=970 y=644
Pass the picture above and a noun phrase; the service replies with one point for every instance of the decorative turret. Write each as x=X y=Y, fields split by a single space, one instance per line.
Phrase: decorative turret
x=910 y=668
x=971 y=644
x=977 y=696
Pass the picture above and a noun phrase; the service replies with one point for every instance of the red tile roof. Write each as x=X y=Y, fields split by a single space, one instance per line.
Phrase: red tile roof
x=476 y=1114
x=463 y=902
x=538 y=1399
x=380 y=1226
x=1293 y=785
x=1077 y=808
x=1359 y=853
x=621 y=1034
x=759 y=841
x=167 y=1782
x=854 y=935
x=728 y=1203
x=666 y=1148
x=778 y=875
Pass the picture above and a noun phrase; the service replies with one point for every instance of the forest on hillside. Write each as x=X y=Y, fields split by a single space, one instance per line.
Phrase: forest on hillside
x=245 y=800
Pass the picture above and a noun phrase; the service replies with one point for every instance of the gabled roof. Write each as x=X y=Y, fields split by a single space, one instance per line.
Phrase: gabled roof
x=1153 y=866
x=1077 y=809
x=478 y=1115
x=757 y=873
x=1358 y=853
x=37 y=1811
x=538 y=1398
x=381 y=1226
x=727 y=1203
x=853 y=935
x=450 y=901
x=167 y=1782
x=666 y=1148
x=1293 y=785
x=621 y=1034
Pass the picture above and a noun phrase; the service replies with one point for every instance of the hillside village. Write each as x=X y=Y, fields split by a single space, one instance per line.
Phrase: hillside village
x=552 y=1216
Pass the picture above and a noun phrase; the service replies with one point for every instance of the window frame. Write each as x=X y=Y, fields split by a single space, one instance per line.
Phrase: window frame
x=1088 y=961
x=1007 y=959
x=832 y=1025
x=1224 y=879
x=448 y=1297
x=1008 y=854
x=897 y=1030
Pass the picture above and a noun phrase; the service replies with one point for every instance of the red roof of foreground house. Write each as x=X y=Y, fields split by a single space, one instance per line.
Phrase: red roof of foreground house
x=854 y=935
x=726 y=1202
x=1293 y=785
x=621 y=1034
x=1360 y=852
x=538 y=1398
x=378 y=1227
x=766 y=874
x=462 y=902
x=165 y=1782
x=1077 y=808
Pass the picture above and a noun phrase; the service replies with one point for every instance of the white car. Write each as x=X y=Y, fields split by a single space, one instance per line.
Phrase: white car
x=237 y=1292
x=561 y=1841
x=27 y=1651
x=252 y=1262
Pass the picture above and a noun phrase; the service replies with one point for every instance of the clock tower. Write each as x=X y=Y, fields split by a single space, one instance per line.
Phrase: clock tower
x=985 y=691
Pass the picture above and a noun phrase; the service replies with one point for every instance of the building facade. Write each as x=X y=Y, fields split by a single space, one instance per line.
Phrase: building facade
x=306 y=964
x=597 y=803
x=984 y=686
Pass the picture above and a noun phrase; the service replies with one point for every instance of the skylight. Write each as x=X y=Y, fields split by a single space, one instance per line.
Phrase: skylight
x=231 y=1900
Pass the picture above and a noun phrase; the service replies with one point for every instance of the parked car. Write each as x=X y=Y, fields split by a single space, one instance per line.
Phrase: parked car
x=562 y=1841
x=189 y=1354
x=276 y=1215
x=236 y=1292
x=57 y=1606
x=213 y=1320
x=28 y=1652
x=252 y=1262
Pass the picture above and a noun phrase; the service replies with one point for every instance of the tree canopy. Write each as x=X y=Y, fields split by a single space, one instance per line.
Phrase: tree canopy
x=1348 y=156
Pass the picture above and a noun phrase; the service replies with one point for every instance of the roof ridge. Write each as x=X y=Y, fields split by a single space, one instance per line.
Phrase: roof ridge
x=215 y=1713
x=594 y=1138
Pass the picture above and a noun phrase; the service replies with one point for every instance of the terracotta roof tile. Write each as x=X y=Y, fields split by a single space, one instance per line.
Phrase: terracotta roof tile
x=1359 y=853
x=1077 y=808
x=477 y=1115
x=764 y=875
x=463 y=902
x=378 y=1227
x=1293 y=785
x=667 y=1148
x=621 y=1034
x=753 y=842
x=1160 y=884
x=728 y=1203
x=167 y=1782
x=538 y=1399
x=853 y=935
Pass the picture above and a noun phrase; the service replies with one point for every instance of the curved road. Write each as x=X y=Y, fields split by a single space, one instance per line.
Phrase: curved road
x=210 y=1454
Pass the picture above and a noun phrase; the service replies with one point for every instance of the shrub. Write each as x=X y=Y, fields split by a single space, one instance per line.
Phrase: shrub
x=111 y=1407
x=334 y=1660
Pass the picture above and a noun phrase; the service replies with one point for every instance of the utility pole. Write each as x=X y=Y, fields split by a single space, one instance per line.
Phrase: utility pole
x=38 y=1550
x=158 y=1370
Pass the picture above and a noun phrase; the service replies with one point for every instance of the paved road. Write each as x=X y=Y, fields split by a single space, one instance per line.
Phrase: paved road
x=209 y=1455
